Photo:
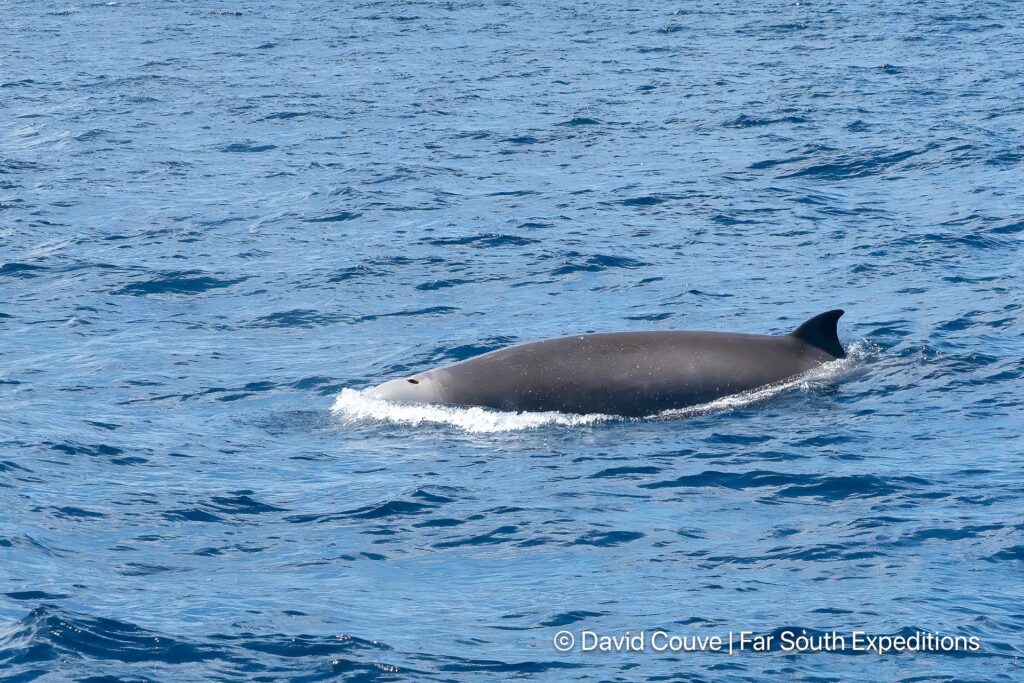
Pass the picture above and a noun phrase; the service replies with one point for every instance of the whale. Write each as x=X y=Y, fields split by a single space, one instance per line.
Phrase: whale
x=632 y=374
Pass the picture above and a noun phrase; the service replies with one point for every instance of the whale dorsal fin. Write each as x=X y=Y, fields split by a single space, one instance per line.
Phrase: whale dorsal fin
x=820 y=331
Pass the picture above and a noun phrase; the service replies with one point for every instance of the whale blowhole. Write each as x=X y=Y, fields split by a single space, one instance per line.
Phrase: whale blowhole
x=412 y=381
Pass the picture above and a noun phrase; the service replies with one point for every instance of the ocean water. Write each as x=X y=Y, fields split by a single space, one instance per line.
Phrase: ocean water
x=221 y=221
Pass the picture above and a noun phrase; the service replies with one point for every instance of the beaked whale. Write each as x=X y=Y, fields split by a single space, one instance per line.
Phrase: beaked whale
x=623 y=373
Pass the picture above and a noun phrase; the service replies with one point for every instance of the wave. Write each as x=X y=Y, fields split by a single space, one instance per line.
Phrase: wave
x=102 y=645
x=354 y=405
x=113 y=649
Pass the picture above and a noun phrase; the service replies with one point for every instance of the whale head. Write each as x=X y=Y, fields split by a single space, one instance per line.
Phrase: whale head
x=422 y=388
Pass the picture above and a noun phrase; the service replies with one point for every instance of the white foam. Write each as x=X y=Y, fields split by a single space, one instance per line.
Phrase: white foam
x=355 y=406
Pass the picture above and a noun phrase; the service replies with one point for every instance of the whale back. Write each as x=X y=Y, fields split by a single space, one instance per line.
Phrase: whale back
x=623 y=373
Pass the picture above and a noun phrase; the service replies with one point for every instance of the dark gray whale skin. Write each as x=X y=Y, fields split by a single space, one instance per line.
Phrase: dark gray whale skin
x=623 y=373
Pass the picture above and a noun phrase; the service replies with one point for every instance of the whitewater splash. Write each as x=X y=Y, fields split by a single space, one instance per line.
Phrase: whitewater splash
x=353 y=405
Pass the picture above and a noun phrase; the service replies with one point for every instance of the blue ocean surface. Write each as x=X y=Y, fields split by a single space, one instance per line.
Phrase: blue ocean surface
x=220 y=222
